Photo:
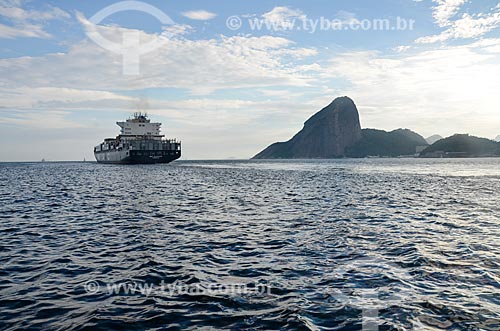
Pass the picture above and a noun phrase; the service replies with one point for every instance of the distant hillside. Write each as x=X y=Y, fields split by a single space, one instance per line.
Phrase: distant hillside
x=386 y=144
x=462 y=145
x=432 y=139
x=335 y=131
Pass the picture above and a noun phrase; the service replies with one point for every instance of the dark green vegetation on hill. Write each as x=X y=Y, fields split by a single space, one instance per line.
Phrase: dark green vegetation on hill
x=463 y=145
x=387 y=144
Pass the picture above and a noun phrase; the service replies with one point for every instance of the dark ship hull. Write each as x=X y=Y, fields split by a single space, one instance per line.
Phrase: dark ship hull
x=137 y=157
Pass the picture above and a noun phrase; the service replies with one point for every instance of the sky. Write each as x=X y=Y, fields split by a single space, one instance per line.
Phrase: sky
x=228 y=78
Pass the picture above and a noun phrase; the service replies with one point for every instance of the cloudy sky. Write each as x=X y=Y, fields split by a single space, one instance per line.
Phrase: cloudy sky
x=227 y=87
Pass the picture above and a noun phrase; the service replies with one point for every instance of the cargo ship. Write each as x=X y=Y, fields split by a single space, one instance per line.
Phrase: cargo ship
x=139 y=142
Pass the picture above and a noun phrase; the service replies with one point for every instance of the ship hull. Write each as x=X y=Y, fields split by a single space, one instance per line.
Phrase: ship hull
x=137 y=157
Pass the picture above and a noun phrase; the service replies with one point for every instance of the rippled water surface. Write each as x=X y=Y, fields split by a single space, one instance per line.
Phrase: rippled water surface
x=307 y=245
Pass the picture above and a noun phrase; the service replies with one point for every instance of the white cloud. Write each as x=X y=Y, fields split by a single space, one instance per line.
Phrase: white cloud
x=445 y=10
x=173 y=31
x=84 y=78
x=13 y=12
x=199 y=15
x=444 y=91
x=283 y=18
x=467 y=26
x=50 y=97
x=208 y=111
x=278 y=94
x=25 y=30
x=201 y=66
x=50 y=119
x=402 y=48
x=27 y=22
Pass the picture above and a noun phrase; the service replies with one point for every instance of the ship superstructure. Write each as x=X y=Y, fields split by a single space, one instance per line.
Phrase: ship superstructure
x=139 y=142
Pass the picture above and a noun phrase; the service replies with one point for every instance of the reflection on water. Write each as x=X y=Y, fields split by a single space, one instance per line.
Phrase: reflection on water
x=401 y=243
x=445 y=167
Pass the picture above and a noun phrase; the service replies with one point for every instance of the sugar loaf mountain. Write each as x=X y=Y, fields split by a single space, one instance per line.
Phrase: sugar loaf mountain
x=335 y=132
